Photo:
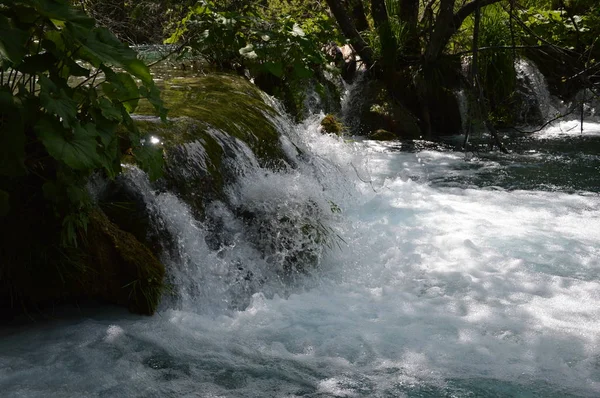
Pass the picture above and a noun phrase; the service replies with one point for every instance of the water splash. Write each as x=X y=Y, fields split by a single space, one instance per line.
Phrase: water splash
x=436 y=291
x=353 y=101
x=536 y=92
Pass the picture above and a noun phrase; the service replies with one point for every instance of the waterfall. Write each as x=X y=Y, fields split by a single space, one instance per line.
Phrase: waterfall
x=439 y=278
x=536 y=90
x=269 y=231
x=353 y=101
x=463 y=106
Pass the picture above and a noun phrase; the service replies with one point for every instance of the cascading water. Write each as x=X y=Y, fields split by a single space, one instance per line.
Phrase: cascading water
x=427 y=289
x=352 y=101
x=536 y=90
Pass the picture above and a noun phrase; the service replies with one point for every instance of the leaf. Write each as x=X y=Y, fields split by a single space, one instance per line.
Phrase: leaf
x=38 y=63
x=297 y=30
x=12 y=137
x=275 y=68
x=109 y=155
x=57 y=102
x=153 y=96
x=122 y=88
x=59 y=11
x=109 y=110
x=248 y=52
x=150 y=159
x=72 y=68
x=301 y=71
x=76 y=148
x=100 y=46
x=13 y=41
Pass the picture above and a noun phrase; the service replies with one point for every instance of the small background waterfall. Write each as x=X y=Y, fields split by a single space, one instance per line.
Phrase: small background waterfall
x=443 y=278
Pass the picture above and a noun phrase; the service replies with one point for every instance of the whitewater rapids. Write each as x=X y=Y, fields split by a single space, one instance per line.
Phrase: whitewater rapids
x=434 y=291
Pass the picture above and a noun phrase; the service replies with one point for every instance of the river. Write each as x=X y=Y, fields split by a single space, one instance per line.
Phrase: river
x=451 y=275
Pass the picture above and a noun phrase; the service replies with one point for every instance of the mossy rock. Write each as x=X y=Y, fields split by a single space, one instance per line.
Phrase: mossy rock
x=108 y=265
x=380 y=112
x=332 y=125
x=210 y=116
x=382 y=135
x=120 y=269
x=223 y=102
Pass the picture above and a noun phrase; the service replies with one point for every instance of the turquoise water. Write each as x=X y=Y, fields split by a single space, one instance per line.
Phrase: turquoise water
x=452 y=278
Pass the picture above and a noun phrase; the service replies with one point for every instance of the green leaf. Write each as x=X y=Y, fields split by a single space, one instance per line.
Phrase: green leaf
x=76 y=148
x=60 y=11
x=109 y=156
x=275 y=68
x=38 y=63
x=72 y=68
x=297 y=31
x=109 y=110
x=100 y=46
x=301 y=71
x=122 y=88
x=56 y=101
x=153 y=96
x=12 y=137
x=150 y=159
x=4 y=203
x=13 y=41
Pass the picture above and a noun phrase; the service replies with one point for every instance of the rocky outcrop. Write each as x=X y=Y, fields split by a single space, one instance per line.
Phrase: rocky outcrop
x=108 y=264
x=119 y=269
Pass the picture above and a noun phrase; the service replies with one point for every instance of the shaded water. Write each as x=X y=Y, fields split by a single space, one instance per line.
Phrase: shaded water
x=560 y=158
x=452 y=278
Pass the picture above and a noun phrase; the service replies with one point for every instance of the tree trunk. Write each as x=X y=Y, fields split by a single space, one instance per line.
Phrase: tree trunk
x=349 y=30
x=386 y=36
x=481 y=103
x=409 y=14
x=441 y=28
x=357 y=10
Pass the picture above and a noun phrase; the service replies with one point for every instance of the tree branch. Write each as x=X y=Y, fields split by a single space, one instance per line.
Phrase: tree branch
x=349 y=30
x=467 y=10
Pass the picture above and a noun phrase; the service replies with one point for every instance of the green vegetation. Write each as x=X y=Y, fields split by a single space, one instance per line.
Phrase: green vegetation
x=65 y=87
x=417 y=49
x=332 y=125
x=281 y=53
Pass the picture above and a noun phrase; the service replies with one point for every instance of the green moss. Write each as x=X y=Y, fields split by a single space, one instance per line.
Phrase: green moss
x=383 y=135
x=208 y=114
x=332 y=125
x=110 y=265
x=124 y=271
x=224 y=102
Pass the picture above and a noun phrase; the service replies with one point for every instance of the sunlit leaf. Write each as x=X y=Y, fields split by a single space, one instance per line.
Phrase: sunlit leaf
x=122 y=88
x=297 y=30
x=248 y=52
x=150 y=159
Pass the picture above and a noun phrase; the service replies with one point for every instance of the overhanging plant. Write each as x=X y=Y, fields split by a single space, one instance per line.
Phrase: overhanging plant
x=66 y=86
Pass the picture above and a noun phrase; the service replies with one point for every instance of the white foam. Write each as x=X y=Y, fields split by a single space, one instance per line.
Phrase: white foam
x=439 y=291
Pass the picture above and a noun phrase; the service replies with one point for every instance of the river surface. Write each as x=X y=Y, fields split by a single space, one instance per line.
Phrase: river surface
x=453 y=275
